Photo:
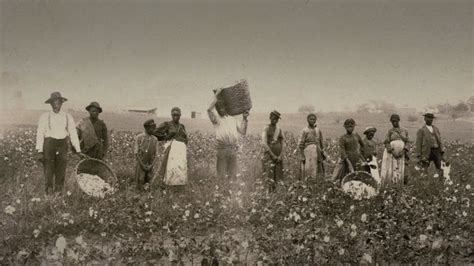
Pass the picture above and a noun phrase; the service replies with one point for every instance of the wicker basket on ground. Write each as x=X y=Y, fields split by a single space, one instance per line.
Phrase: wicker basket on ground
x=236 y=98
x=361 y=176
x=95 y=167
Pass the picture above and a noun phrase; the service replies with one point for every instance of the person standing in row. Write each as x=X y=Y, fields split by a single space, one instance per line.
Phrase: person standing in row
x=55 y=129
x=92 y=133
x=174 y=168
x=311 y=147
x=350 y=145
x=395 y=154
x=228 y=132
x=429 y=147
x=272 y=162
x=369 y=150
x=144 y=149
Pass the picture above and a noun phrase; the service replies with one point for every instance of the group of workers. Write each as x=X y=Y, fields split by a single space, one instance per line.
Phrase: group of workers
x=89 y=138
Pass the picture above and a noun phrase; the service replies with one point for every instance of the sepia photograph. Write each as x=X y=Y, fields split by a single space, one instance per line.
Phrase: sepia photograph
x=236 y=132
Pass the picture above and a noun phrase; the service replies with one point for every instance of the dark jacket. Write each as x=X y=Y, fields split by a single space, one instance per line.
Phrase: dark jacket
x=424 y=142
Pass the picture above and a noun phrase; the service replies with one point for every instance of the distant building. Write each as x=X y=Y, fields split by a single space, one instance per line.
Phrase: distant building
x=12 y=100
x=195 y=115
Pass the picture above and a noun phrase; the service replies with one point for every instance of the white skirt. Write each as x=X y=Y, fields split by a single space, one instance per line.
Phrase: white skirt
x=176 y=166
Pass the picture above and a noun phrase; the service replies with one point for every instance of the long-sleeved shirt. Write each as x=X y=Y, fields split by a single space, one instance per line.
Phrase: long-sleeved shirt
x=398 y=133
x=57 y=126
x=310 y=136
x=349 y=147
x=227 y=129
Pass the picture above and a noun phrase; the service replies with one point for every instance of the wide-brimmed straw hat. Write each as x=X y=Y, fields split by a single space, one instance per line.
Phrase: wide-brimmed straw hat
x=276 y=113
x=55 y=95
x=370 y=129
x=429 y=115
x=94 y=104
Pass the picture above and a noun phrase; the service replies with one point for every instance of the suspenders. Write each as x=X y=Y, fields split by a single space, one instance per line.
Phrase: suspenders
x=49 y=121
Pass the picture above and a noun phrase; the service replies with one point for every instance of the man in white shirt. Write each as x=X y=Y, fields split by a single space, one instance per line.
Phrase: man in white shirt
x=228 y=132
x=55 y=128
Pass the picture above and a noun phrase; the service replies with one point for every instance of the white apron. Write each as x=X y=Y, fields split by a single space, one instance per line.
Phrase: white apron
x=311 y=162
x=176 y=166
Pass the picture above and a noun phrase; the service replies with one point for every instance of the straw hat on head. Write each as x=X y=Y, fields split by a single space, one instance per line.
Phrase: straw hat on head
x=276 y=113
x=429 y=115
x=370 y=129
x=55 y=95
x=94 y=104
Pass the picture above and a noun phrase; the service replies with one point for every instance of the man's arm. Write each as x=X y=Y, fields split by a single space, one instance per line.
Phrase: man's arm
x=212 y=106
x=40 y=134
x=71 y=128
x=242 y=129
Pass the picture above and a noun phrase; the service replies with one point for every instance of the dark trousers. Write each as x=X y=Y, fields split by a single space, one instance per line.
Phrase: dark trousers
x=435 y=157
x=272 y=171
x=227 y=162
x=143 y=177
x=55 y=162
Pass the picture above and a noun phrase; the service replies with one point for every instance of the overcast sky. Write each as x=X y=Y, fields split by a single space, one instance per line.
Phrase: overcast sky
x=334 y=54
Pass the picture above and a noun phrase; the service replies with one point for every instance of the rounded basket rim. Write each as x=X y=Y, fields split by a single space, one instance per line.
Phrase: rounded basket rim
x=114 y=177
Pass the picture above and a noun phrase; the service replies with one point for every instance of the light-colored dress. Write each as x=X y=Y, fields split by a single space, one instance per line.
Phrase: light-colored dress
x=311 y=147
x=393 y=167
x=174 y=167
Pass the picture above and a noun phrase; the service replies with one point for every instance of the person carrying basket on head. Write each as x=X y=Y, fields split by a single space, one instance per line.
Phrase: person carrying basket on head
x=228 y=132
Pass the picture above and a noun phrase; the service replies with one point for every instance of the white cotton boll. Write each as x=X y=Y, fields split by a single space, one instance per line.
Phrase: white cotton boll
x=61 y=244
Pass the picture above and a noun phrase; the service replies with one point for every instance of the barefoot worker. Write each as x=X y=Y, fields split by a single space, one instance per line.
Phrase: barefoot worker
x=55 y=129
x=228 y=132
x=92 y=133
x=272 y=141
x=174 y=167
x=395 y=153
x=144 y=149
x=310 y=146
x=429 y=147
x=349 y=150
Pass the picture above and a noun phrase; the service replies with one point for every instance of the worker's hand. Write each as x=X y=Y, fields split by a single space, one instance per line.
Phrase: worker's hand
x=245 y=115
x=82 y=155
x=40 y=157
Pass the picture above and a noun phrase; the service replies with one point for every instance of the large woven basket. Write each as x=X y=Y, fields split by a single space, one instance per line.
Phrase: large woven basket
x=361 y=176
x=236 y=98
x=95 y=167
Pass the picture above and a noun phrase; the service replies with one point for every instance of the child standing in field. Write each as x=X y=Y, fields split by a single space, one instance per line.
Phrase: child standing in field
x=310 y=146
x=144 y=150
x=369 y=150
x=349 y=149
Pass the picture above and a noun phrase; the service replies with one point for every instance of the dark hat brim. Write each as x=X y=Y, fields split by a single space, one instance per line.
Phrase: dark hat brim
x=90 y=106
x=429 y=115
x=54 y=98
